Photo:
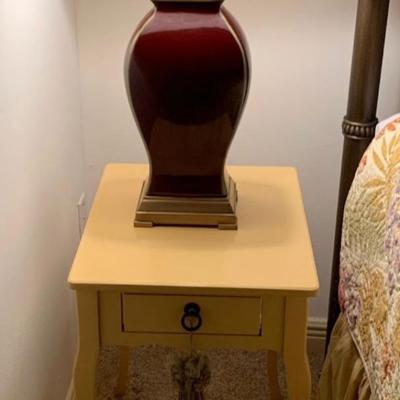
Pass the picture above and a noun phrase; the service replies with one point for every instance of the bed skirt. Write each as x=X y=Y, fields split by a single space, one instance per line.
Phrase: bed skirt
x=343 y=376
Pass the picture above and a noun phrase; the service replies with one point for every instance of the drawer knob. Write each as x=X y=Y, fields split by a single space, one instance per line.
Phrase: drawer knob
x=191 y=320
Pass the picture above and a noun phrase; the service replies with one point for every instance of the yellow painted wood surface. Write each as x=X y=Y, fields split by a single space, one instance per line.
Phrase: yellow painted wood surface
x=112 y=330
x=220 y=315
x=253 y=284
x=123 y=372
x=88 y=346
x=270 y=251
x=298 y=376
x=273 y=377
x=111 y=327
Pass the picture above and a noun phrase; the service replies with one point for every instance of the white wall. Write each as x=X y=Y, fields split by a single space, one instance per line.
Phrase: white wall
x=40 y=183
x=301 y=53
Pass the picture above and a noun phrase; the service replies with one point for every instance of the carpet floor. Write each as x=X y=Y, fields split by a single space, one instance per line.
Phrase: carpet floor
x=236 y=374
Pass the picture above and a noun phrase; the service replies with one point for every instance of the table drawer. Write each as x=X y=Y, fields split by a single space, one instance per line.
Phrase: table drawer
x=219 y=315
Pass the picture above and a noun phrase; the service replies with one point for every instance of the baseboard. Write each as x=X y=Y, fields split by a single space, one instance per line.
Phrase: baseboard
x=316 y=334
x=70 y=393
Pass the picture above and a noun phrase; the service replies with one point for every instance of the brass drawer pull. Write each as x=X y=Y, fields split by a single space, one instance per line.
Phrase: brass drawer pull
x=191 y=320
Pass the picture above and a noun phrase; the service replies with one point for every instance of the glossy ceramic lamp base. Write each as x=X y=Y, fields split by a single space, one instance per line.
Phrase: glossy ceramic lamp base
x=217 y=212
x=187 y=74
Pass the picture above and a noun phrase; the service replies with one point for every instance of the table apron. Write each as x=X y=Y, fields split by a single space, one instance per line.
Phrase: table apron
x=112 y=329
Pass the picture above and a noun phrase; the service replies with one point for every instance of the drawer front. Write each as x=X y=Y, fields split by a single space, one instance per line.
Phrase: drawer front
x=220 y=315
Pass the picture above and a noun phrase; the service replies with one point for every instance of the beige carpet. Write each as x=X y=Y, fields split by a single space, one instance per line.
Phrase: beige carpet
x=236 y=374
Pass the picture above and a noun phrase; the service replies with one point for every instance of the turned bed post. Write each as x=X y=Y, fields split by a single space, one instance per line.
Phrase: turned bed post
x=360 y=121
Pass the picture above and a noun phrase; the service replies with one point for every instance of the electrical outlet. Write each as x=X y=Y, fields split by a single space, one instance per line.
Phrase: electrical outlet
x=82 y=213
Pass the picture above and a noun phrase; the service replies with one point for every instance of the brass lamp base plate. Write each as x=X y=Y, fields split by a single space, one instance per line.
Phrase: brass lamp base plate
x=217 y=212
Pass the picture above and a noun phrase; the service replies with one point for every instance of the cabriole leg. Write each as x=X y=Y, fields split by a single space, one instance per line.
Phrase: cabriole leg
x=89 y=345
x=295 y=349
x=123 y=367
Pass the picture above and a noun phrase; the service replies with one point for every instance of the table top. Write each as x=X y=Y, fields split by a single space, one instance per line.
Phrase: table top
x=270 y=251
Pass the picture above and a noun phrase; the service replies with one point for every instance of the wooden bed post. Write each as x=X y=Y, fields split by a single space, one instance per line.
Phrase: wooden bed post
x=360 y=121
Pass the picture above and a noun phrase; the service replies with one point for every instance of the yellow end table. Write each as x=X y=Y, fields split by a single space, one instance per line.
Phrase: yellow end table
x=252 y=285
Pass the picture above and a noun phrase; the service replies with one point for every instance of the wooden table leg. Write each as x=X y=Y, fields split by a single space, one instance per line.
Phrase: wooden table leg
x=123 y=367
x=89 y=345
x=295 y=349
x=272 y=369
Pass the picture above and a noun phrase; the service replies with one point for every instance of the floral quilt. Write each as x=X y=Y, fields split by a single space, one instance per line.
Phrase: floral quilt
x=370 y=261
